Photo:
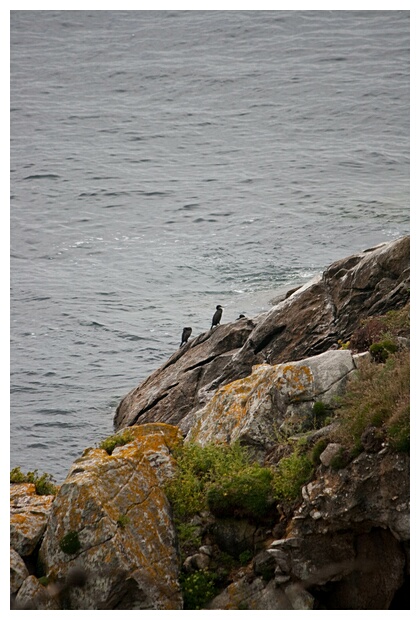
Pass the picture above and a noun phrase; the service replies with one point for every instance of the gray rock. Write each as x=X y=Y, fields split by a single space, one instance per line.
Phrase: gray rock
x=249 y=595
x=281 y=558
x=331 y=451
x=271 y=399
x=173 y=390
x=119 y=521
x=280 y=577
x=32 y=595
x=308 y=322
x=264 y=564
x=299 y=598
x=350 y=532
x=198 y=561
x=18 y=571
x=29 y=513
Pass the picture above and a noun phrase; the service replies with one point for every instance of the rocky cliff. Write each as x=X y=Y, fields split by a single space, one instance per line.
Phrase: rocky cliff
x=308 y=322
x=337 y=537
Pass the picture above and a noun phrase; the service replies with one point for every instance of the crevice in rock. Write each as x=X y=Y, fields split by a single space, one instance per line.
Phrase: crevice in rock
x=335 y=382
x=268 y=338
x=330 y=300
x=152 y=404
x=321 y=346
x=202 y=363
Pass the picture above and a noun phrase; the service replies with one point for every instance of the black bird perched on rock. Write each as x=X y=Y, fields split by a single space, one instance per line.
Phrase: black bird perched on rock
x=217 y=316
x=186 y=333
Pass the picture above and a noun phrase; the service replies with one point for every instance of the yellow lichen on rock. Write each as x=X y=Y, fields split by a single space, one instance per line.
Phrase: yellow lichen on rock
x=114 y=507
x=28 y=516
x=251 y=405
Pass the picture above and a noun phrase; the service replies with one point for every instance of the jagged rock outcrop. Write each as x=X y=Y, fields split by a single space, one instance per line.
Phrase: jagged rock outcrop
x=112 y=522
x=174 y=390
x=346 y=545
x=306 y=323
x=18 y=571
x=255 y=594
x=347 y=541
x=271 y=400
x=33 y=595
x=28 y=517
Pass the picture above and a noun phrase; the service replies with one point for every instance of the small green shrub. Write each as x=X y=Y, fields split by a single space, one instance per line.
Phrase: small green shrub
x=70 y=543
x=380 y=350
x=243 y=494
x=245 y=557
x=110 y=443
x=317 y=450
x=198 y=588
x=397 y=322
x=198 y=467
x=122 y=521
x=320 y=414
x=291 y=474
x=44 y=484
x=17 y=476
x=189 y=538
x=44 y=581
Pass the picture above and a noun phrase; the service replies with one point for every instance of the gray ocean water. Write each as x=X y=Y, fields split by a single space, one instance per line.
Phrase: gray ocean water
x=163 y=162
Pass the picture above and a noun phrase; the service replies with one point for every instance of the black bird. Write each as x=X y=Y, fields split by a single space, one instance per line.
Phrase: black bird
x=241 y=316
x=217 y=316
x=186 y=333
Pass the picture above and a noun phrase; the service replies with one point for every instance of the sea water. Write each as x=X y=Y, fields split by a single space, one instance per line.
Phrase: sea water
x=163 y=162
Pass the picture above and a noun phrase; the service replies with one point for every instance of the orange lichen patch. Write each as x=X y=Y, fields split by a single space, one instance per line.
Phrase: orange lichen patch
x=299 y=379
x=233 y=405
x=21 y=489
x=122 y=517
x=28 y=516
x=150 y=438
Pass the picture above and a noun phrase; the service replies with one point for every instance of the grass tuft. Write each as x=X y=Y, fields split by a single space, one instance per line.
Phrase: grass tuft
x=44 y=484
x=110 y=443
x=379 y=396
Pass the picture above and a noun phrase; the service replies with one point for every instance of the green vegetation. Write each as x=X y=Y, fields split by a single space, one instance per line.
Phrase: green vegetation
x=198 y=588
x=44 y=581
x=70 y=543
x=382 y=329
x=189 y=538
x=380 y=350
x=291 y=474
x=199 y=469
x=245 y=557
x=317 y=450
x=244 y=494
x=122 y=521
x=110 y=443
x=224 y=480
x=397 y=322
x=320 y=414
x=378 y=396
x=44 y=484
